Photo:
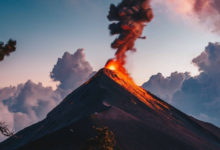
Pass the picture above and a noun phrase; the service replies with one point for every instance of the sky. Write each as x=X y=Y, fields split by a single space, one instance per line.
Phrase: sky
x=45 y=29
x=76 y=32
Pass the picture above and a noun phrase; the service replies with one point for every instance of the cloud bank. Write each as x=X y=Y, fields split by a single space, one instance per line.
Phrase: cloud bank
x=27 y=103
x=165 y=87
x=198 y=96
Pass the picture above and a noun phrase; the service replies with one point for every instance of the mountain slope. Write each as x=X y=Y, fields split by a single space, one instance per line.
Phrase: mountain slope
x=139 y=120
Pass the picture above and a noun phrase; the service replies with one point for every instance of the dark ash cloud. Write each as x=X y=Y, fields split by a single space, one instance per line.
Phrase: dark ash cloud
x=129 y=19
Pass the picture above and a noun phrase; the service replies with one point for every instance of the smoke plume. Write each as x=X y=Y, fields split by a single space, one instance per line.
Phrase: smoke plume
x=129 y=18
x=6 y=49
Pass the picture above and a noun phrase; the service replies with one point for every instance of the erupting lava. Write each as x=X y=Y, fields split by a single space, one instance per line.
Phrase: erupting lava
x=115 y=66
x=111 y=65
x=130 y=17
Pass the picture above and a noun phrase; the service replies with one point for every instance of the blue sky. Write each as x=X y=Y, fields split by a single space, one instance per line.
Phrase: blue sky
x=45 y=29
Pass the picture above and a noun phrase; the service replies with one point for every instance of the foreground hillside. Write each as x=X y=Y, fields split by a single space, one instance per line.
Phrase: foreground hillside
x=138 y=119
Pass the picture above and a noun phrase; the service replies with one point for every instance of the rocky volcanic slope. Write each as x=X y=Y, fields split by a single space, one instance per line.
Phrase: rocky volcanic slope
x=139 y=120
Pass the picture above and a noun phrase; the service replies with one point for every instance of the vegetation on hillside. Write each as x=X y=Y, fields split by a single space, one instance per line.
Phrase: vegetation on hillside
x=104 y=140
x=4 y=129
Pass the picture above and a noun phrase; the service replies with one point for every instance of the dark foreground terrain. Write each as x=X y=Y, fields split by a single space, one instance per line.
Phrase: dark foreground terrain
x=139 y=120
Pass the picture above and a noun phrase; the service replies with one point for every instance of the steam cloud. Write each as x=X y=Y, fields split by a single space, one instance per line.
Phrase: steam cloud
x=129 y=19
x=6 y=49
x=28 y=103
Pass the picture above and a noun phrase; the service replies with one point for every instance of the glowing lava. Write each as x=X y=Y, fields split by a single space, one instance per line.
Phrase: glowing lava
x=116 y=66
x=112 y=65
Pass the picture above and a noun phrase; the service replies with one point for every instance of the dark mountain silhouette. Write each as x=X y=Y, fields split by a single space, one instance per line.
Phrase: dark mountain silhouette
x=138 y=119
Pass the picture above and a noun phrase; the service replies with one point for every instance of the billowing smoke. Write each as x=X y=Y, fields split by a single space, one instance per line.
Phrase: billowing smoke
x=207 y=11
x=6 y=49
x=130 y=17
x=165 y=87
x=71 y=70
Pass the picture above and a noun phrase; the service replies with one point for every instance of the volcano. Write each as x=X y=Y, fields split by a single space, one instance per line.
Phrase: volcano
x=138 y=119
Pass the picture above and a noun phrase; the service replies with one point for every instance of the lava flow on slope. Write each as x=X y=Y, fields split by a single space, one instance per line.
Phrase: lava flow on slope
x=118 y=73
